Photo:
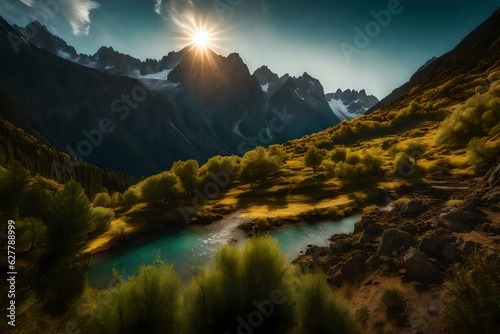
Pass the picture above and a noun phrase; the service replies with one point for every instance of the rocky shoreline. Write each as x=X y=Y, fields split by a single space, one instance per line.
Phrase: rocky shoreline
x=419 y=240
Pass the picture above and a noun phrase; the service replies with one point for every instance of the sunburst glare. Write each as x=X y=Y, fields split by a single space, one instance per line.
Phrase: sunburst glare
x=198 y=34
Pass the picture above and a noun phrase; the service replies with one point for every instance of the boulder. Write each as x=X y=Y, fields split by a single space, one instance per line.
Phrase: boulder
x=409 y=227
x=363 y=224
x=340 y=247
x=492 y=177
x=492 y=196
x=372 y=263
x=393 y=240
x=420 y=268
x=468 y=247
x=374 y=230
x=336 y=280
x=458 y=220
x=351 y=269
x=316 y=251
x=412 y=208
x=449 y=252
x=365 y=239
x=433 y=242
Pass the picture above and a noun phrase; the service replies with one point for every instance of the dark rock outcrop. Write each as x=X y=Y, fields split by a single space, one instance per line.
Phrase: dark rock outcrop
x=393 y=240
x=420 y=268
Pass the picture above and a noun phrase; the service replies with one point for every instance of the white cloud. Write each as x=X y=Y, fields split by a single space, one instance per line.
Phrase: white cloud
x=78 y=14
x=28 y=3
x=158 y=6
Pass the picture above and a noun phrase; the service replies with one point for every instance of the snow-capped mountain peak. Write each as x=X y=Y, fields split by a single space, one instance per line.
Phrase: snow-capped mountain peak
x=350 y=104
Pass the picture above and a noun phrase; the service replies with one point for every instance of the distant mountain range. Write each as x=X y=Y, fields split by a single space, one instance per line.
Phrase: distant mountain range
x=140 y=116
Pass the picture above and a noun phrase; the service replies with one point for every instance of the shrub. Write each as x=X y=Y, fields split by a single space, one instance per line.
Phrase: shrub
x=69 y=220
x=314 y=157
x=454 y=203
x=35 y=201
x=394 y=303
x=187 y=172
x=147 y=303
x=370 y=209
x=339 y=154
x=439 y=168
x=277 y=150
x=257 y=165
x=403 y=166
x=478 y=117
x=30 y=233
x=221 y=168
x=101 y=219
x=481 y=152
x=102 y=199
x=399 y=203
x=318 y=310
x=474 y=305
x=415 y=150
x=220 y=298
x=159 y=188
x=116 y=200
x=130 y=197
x=362 y=315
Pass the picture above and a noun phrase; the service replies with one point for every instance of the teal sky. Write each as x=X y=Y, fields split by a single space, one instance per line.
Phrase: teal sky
x=289 y=36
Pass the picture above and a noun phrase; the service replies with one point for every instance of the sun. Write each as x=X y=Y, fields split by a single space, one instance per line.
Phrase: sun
x=201 y=39
x=199 y=34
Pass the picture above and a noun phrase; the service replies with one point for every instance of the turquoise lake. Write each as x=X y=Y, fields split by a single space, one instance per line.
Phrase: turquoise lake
x=193 y=247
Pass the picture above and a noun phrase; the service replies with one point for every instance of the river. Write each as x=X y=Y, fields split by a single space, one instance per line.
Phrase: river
x=193 y=247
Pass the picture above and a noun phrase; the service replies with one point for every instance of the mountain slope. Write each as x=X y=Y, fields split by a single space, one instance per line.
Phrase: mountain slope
x=475 y=53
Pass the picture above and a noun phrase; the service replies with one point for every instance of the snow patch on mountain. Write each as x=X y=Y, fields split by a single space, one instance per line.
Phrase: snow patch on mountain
x=339 y=109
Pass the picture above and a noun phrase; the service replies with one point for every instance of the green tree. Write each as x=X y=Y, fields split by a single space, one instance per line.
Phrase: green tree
x=35 y=201
x=12 y=187
x=339 y=154
x=478 y=117
x=218 y=297
x=225 y=169
x=116 y=199
x=101 y=219
x=187 y=172
x=150 y=302
x=415 y=150
x=257 y=165
x=474 y=301
x=31 y=233
x=318 y=310
x=314 y=157
x=480 y=152
x=159 y=188
x=130 y=197
x=278 y=151
x=102 y=199
x=69 y=220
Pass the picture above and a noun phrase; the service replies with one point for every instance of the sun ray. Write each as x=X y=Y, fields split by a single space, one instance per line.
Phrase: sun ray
x=199 y=34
